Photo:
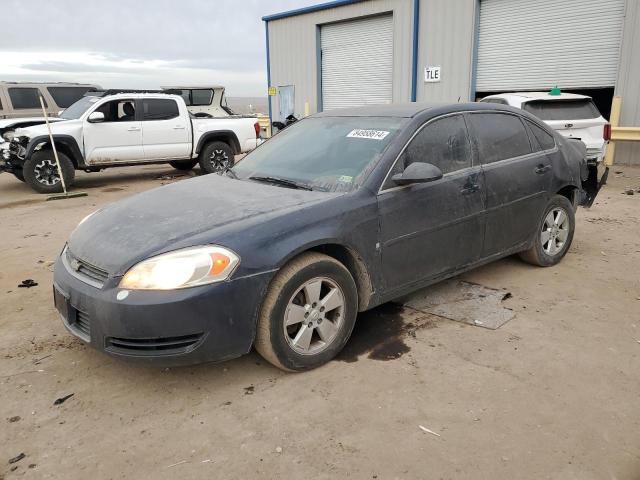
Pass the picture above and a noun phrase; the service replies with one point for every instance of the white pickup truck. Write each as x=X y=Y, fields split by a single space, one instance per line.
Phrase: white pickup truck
x=118 y=128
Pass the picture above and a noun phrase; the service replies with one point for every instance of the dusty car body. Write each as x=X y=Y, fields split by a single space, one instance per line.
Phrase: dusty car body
x=361 y=219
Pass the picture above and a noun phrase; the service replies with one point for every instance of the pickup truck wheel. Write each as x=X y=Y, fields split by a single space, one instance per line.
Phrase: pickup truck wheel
x=554 y=234
x=18 y=173
x=183 y=164
x=308 y=313
x=41 y=173
x=216 y=157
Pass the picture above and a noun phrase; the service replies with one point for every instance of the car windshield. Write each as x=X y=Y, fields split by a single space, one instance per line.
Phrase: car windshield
x=76 y=110
x=562 y=109
x=332 y=154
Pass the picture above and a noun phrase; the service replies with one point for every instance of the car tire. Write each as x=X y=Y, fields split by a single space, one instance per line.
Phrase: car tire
x=216 y=157
x=183 y=165
x=19 y=174
x=308 y=313
x=41 y=172
x=554 y=234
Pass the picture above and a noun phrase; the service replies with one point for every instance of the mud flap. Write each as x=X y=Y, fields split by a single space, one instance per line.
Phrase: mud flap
x=591 y=186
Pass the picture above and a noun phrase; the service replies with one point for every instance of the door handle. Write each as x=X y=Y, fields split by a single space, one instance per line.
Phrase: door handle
x=470 y=188
x=542 y=169
x=179 y=127
x=133 y=129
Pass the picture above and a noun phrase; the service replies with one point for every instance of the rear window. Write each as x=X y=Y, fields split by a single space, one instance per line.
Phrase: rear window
x=159 y=109
x=562 y=109
x=67 y=96
x=25 y=97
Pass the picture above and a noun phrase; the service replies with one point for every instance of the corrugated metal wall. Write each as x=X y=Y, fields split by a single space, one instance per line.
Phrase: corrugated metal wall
x=628 y=84
x=446 y=40
x=292 y=46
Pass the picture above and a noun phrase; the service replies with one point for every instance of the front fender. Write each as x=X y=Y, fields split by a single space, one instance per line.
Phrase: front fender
x=66 y=143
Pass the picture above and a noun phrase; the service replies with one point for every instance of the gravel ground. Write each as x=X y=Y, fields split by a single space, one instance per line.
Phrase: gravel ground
x=554 y=393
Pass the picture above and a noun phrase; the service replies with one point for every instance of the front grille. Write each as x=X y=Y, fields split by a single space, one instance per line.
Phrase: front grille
x=82 y=323
x=153 y=346
x=84 y=271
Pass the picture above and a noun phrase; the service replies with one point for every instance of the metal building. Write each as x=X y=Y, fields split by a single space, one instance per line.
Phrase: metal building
x=356 y=52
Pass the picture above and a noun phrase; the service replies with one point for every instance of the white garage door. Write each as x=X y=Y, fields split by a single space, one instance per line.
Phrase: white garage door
x=525 y=44
x=357 y=62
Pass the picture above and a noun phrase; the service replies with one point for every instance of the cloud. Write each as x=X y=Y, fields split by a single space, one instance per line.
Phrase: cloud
x=139 y=43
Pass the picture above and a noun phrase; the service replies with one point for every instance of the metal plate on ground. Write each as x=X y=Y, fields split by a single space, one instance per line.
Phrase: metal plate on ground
x=463 y=302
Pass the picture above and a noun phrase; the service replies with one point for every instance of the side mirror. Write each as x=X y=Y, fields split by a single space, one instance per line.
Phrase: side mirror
x=96 y=117
x=418 y=172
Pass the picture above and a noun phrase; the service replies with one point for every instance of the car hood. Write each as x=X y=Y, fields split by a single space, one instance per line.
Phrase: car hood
x=10 y=122
x=58 y=127
x=165 y=218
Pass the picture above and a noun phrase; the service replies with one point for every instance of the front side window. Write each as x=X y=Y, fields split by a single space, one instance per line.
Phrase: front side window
x=443 y=143
x=24 y=97
x=118 y=110
x=332 y=154
x=582 y=108
x=67 y=96
x=159 y=109
x=499 y=136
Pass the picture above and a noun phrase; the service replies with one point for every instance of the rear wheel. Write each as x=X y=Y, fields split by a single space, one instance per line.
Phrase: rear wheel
x=308 y=313
x=183 y=164
x=216 y=157
x=41 y=172
x=554 y=234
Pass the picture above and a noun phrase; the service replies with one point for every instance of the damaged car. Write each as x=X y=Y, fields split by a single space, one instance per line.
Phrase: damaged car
x=340 y=212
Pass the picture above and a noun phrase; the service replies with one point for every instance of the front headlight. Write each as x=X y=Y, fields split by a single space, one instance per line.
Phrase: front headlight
x=184 y=268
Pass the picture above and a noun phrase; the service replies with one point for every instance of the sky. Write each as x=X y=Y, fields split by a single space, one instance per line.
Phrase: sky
x=139 y=43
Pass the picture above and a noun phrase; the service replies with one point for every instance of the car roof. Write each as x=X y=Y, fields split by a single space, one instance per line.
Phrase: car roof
x=526 y=96
x=410 y=110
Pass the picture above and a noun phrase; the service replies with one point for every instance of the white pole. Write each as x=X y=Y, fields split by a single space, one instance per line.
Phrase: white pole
x=53 y=145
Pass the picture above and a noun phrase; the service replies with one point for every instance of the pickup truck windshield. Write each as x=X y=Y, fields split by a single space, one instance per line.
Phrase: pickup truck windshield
x=76 y=110
x=562 y=109
x=332 y=154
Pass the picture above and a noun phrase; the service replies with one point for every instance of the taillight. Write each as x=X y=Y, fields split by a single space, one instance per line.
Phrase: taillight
x=256 y=127
x=606 y=131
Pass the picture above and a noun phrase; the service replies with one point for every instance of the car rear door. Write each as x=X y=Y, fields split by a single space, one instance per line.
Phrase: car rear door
x=432 y=228
x=165 y=133
x=517 y=179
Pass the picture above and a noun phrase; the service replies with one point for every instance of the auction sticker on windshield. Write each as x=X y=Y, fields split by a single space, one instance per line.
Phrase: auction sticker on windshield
x=370 y=134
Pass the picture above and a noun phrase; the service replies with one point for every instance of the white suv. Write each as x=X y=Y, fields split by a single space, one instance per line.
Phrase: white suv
x=572 y=115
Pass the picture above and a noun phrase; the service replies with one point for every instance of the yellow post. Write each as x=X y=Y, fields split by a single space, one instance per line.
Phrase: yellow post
x=614 y=121
x=307 y=110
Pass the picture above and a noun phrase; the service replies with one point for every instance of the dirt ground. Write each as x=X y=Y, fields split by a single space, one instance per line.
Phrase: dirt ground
x=554 y=393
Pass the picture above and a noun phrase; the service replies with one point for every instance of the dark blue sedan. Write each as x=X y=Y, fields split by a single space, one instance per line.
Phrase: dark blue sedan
x=336 y=214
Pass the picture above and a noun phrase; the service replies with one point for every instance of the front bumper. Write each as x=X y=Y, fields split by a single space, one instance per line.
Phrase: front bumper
x=163 y=328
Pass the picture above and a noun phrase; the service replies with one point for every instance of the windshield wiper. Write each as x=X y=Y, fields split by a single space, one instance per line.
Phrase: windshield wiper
x=285 y=182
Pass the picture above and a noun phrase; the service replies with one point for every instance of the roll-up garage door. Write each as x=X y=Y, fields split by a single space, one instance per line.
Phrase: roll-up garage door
x=357 y=62
x=526 y=44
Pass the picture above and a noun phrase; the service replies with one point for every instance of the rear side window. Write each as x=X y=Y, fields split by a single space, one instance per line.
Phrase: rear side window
x=562 y=109
x=545 y=139
x=67 y=96
x=201 y=97
x=499 y=136
x=159 y=109
x=443 y=143
x=24 y=97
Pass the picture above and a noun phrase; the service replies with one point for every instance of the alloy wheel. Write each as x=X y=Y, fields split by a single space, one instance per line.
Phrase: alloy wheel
x=314 y=316
x=555 y=231
x=219 y=160
x=46 y=172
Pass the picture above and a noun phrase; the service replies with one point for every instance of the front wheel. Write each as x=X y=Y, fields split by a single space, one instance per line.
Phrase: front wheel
x=554 y=234
x=41 y=172
x=216 y=157
x=308 y=313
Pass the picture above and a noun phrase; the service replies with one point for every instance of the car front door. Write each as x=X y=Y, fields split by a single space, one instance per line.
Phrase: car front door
x=430 y=229
x=165 y=134
x=117 y=138
x=517 y=179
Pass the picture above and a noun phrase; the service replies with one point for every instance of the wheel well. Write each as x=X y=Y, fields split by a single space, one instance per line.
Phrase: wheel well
x=356 y=266
x=226 y=137
x=61 y=147
x=568 y=192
